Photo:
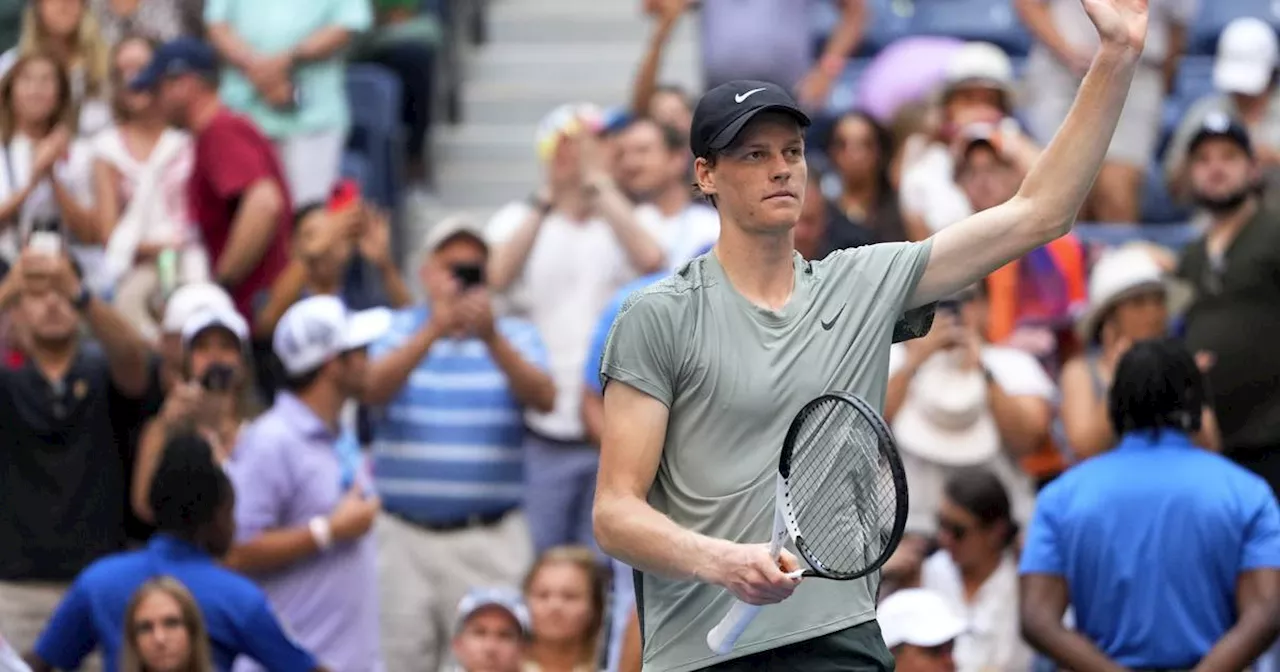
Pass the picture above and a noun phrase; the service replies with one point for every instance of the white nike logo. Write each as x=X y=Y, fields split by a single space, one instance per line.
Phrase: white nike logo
x=743 y=96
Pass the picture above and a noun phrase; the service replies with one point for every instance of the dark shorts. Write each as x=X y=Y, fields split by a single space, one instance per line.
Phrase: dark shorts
x=857 y=649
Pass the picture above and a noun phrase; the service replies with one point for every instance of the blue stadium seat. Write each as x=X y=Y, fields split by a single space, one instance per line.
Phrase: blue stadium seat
x=889 y=20
x=1173 y=236
x=376 y=130
x=355 y=166
x=983 y=20
x=1194 y=80
x=1216 y=14
x=1158 y=206
x=844 y=90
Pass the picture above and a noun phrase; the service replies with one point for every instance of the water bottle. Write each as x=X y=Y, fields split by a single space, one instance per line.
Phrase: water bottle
x=167 y=269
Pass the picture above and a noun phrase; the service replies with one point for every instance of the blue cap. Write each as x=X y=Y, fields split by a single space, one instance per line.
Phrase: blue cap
x=185 y=55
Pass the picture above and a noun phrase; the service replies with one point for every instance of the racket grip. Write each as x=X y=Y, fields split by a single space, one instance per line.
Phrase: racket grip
x=726 y=633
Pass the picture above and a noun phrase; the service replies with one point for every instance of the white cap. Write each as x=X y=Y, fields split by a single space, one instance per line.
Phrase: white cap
x=980 y=64
x=1121 y=273
x=216 y=317
x=507 y=599
x=1247 y=51
x=315 y=330
x=188 y=300
x=918 y=617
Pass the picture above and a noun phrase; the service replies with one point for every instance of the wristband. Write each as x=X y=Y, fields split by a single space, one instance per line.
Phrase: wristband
x=321 y=532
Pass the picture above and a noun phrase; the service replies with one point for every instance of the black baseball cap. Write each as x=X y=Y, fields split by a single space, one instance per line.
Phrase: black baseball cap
x=185 y=55
x=724 y=111
x=1221 y=125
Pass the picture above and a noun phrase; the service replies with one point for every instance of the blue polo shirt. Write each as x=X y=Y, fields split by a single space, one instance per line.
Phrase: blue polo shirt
x=601 y=335
x=236 y=612
x=1150 y=539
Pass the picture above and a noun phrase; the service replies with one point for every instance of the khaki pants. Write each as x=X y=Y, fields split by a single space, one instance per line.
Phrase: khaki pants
x=25 y=609
x=423 y=575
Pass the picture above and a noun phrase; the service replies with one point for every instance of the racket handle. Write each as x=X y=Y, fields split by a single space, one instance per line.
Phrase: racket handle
x=726 y=633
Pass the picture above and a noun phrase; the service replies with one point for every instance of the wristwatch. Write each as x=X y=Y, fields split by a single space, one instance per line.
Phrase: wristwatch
x=81 y=300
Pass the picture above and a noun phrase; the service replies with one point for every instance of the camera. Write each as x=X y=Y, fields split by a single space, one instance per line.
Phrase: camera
x=469 y=275
x=217 y=378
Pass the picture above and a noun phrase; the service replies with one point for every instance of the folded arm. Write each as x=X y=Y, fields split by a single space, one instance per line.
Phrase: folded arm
x=1045 y=206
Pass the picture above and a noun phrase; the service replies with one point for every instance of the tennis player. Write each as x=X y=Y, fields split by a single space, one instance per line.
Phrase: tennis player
x=704 y=370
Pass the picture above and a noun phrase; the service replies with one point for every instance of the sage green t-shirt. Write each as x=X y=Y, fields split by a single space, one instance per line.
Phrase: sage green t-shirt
x=733 y=376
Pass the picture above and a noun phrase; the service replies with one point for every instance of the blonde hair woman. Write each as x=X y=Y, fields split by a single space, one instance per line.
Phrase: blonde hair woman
x=164 y=631
x=67 y=31
x=565 y=595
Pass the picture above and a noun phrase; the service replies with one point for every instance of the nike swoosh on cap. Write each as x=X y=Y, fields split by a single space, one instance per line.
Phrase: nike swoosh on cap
x=743 y=96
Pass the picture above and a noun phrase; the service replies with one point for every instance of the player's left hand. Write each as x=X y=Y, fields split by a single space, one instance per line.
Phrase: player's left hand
x=1121 y=23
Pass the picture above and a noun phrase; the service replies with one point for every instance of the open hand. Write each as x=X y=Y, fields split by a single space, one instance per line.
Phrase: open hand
x=754 y=576
x=1121 y=23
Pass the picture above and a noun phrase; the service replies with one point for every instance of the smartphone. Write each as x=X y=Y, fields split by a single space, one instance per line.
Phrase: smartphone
x=217 y=378
x=951 y=306
x=469 y=275
x=45 y=242
x=345 y=194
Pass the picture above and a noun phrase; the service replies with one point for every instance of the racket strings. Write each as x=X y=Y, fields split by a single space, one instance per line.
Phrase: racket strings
x=842 y=490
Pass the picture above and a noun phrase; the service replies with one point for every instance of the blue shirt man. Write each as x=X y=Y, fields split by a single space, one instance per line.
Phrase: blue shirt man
x=624 y=596
x=1163 y=547
x=193 y=504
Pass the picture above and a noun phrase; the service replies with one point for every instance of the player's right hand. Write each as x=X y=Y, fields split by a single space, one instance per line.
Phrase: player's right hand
x=753 y=576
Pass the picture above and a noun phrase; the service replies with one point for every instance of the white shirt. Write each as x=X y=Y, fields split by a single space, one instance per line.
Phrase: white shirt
x=16 y=160
x=572 y=272
x=929 y=188
x=682 y=236
x=993 y=642
x=1018 y=374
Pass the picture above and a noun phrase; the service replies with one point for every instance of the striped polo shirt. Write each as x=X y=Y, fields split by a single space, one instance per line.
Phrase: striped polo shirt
x=448 y=446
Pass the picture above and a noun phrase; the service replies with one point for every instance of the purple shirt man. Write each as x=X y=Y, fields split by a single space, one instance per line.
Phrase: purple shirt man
x=299 y=484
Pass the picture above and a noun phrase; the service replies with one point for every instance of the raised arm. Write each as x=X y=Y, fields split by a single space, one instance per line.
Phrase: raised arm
x=1045 y=206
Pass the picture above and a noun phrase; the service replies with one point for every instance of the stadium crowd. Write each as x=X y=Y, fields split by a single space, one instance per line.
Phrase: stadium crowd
x=247 y=425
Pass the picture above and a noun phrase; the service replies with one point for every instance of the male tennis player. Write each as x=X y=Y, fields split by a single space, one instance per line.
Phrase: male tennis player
x=705 y=369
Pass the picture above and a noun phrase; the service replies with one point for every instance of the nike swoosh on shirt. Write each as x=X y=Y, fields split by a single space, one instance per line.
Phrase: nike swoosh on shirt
x=826 y=325
x=743 y=96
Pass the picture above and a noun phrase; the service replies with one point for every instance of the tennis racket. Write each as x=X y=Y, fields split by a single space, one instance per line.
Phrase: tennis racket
x=841 y=497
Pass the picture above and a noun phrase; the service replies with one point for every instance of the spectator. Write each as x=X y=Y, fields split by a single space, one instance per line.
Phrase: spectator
x=237 y=192
x=667 y=104
x=565 y=594
x=158 y=20
x=816 y=215
x=978 y=90
x=867 y=206
x=66 y=31
x=956 y=401
x=408 y=40
x=344 y=253
x=164 y=631
x=580 y=216
x=653 y=168
x=285 y=70
x=1244 y=76
x=452 y=487
x=1166 y=553
x=770 y=41
x=1129 y=301
x=62 y=478
x=185 y=302
x=1065 y=45
x=305 y=504
x=45 y=170
x=140 y=173
x=1037 y=296
x=193 y=501
x=212 y=398
x=1234 y=271
x=491 y=631
x=976 y=571
x=921 y=629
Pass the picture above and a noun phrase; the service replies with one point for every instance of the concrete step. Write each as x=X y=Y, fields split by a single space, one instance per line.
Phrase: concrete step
x=552 y=64
x=488 y=184
x=496 y=142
